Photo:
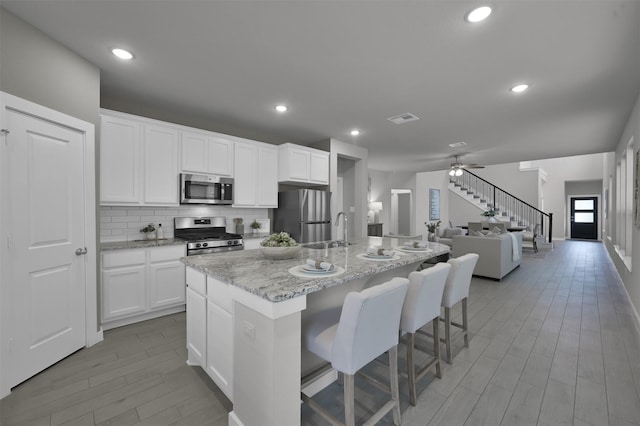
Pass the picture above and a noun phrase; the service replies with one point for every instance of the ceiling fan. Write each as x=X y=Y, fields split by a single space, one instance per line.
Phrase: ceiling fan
x=456 y=168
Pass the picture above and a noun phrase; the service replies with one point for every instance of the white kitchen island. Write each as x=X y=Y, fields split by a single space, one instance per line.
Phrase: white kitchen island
x=245 y=315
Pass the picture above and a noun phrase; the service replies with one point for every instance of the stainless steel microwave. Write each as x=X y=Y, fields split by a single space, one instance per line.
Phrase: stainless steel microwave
x=205 y=189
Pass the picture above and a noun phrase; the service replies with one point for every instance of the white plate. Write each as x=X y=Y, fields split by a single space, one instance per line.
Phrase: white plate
x=378 y=256
x=414 y=248
x=311 y=270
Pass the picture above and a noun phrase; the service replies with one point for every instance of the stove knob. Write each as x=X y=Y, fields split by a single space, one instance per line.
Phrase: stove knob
x=205 y=244
x=236 y=242
x=229 y=243
x=198 y=245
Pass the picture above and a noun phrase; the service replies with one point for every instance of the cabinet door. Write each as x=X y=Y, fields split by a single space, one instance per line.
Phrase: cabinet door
x=119 y=161
x=194 y=152
x=220 y=347
x=319 y=165
x=246 y=173
x=123 y=291
x=268 y=177
x=220 y=156
x=196 y=327
x=298 y=164
x=166 y=284
x=160 y=165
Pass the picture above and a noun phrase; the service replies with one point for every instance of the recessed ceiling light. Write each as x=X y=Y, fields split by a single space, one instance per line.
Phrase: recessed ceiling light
x=281 y=108
x=122 y=54
x=519 y=88
x=478 y=14
x=354 y=132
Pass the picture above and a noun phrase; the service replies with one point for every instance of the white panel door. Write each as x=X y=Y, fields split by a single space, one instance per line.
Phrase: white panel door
x=220 y=156
x=47 y=287
x=196 y=328
x=166 y=283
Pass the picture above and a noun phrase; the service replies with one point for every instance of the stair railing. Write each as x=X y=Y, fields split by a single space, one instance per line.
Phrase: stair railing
x=505 y=203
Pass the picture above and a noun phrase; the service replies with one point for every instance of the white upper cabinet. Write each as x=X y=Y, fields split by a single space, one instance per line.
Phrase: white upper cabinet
x=301 y=164
x=119 y=161
x=206 y=153
x=160 y=165
x=138 y=161
x=256 y=175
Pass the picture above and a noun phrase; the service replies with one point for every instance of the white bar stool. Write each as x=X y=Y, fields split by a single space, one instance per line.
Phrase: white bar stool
x=455 y=290
x=421 y=306
x=368 y=327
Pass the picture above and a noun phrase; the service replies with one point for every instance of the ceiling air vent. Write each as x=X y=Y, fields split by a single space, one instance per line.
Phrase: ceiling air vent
x=457 y=144
x=403 y=118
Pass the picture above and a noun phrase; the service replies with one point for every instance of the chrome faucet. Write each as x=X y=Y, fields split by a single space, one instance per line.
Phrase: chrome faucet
x=344 y=233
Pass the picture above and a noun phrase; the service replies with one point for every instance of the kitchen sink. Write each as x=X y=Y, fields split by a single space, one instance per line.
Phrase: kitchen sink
x=327 y=244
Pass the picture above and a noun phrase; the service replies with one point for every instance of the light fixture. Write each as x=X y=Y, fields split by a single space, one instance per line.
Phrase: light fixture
x=519 y=88
x=281 y=108
x=354 y=132
x=122 y=54
x=478 y=14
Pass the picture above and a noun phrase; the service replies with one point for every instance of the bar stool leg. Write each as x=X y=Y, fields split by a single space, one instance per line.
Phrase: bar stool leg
x=465 y=326
x=395 y=392
x=349 y=400
x=436 y=345
x=411 y=368
x=447 y=332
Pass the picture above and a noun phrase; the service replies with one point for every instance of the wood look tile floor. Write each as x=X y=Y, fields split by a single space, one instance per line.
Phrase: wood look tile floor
x=554 y=343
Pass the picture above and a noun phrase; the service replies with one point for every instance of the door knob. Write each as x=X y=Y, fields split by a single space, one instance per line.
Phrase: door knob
x=81 y=251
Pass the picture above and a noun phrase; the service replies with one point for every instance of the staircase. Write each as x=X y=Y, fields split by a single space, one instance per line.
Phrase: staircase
x=508 y=207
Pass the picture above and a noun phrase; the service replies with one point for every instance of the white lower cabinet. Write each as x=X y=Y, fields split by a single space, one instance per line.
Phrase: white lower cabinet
x=210 y=333
x=140 y=284
x=196 y=327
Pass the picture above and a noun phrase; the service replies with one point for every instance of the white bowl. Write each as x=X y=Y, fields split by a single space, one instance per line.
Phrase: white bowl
x=280 y=253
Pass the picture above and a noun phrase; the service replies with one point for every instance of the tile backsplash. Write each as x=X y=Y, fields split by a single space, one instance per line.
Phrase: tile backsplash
x=123 y=223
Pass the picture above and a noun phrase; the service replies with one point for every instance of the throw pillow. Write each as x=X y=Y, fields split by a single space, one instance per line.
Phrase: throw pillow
x=496 y=230
x=475 y=233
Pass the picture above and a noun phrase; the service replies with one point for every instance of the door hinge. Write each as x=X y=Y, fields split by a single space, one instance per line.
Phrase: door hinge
x=5 y=133
x=9 y=243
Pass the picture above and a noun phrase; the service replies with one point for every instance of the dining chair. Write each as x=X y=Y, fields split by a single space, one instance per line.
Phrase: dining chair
x=421 y=306
x=456 y=290
x=368 y=327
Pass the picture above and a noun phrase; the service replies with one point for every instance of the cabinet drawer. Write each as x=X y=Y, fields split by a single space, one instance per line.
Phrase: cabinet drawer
x=197 y=281
x=163 y=254
x=123 y=258
x=218 y=293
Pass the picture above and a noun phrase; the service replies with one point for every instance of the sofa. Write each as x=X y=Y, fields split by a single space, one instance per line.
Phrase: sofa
x=445 y=235
x=497 y=258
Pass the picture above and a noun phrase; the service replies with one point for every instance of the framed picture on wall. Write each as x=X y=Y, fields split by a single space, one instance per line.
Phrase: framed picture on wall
x=434 y=204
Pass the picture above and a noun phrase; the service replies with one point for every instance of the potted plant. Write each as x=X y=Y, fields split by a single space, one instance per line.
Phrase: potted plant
x=255 y=225
x=239 y=226
x=149 y=231
x=490 y=214
x=279 y=246
x=432 y=227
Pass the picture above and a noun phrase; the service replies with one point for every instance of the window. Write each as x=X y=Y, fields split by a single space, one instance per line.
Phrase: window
x=624 y=205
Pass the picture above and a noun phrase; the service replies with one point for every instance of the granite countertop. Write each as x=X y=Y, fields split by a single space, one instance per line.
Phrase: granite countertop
x=271 y=279
x=124 y=245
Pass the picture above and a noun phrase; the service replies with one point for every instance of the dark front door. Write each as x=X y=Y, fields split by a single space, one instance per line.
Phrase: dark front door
x=584 y=218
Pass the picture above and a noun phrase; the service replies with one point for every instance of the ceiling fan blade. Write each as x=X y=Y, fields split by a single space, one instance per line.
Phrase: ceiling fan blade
x=472 y=166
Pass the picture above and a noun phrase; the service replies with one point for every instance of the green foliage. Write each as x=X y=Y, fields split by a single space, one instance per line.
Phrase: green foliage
x=281 y=239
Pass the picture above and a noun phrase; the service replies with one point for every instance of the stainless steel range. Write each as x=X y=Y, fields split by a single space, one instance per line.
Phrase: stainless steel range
x=206 y=235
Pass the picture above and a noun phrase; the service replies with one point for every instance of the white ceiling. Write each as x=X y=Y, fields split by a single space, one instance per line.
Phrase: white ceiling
x=345 y=64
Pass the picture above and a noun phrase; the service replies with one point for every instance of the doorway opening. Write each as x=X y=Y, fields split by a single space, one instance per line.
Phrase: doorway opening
x=401 y=208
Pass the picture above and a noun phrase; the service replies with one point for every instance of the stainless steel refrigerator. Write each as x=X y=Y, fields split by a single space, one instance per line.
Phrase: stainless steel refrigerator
x=305 y=214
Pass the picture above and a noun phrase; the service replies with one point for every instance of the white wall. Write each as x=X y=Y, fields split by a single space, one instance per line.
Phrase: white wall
x=509 y=177
x=381 y=185
x=630 y=276
x=424 y=182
